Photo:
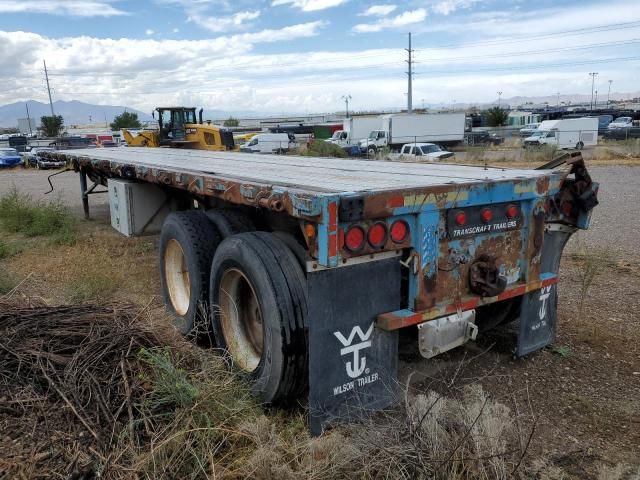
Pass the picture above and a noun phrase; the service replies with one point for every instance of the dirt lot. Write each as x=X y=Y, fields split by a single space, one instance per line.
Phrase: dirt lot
x=581 y=398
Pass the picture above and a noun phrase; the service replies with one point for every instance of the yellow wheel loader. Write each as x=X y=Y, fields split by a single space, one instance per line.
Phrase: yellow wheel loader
x=178 y=128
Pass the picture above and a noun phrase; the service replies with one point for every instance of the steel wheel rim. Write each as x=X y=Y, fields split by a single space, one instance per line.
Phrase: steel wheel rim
x=177 y=275
x=241 y=319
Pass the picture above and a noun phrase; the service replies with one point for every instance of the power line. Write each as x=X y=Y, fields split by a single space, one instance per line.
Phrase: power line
x=135 y=76
x=546 y=50
x=578 y=31
x=254 y=65
x=537 y=67
x=343 y=78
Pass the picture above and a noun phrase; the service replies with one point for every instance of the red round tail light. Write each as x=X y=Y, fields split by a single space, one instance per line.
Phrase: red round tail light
x=486 y=215
x=461 y=218
x=512 y=211
x=377 y=235
x=354 y=239
x=399 y=231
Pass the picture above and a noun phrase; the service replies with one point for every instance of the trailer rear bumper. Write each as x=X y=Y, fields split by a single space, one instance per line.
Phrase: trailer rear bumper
x=406 y=317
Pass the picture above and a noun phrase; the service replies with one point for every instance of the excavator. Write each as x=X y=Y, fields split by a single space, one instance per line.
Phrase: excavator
x=178 y=128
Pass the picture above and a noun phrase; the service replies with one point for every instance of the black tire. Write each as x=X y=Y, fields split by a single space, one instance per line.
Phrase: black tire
x=290 y=241
x=277 y=370
x=198 y=240
x=230 y=222
x=579 y=146
x=371 y=150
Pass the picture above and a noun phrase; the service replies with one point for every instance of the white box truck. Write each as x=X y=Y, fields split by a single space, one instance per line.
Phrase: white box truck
x=401 y=128
x=568 y=133
x=355 y=129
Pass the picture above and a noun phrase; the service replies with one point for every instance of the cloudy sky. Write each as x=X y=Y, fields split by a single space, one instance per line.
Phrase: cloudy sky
x=304 y=55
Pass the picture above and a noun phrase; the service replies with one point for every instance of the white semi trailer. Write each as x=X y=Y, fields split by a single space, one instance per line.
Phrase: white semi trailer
x=397 y=129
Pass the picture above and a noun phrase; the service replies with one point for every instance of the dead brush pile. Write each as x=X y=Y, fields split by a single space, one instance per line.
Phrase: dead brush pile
x=71 y=383
x=102 y=392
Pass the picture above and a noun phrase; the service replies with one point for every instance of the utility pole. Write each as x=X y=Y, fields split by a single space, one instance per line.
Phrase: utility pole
x=558 y=99
x=28 y=119
x=410 y=77
x=499 y=98
x=609 y=92
x=595 y=104
x=346 y=99
x=593 y=81
x=46 y=75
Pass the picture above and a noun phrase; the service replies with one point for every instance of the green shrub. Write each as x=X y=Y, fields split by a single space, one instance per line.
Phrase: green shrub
x=320 y=148
x=19 y=213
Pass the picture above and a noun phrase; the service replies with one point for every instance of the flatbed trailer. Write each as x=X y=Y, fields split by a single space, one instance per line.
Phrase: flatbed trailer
x=310 y=266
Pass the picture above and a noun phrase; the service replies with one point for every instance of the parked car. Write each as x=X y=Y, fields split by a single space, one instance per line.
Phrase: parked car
x=422 y=151
x=34 y=159
x=621 y=122
x=622 y=133
x=529 y=129
x=9 y=157
x=482 y=138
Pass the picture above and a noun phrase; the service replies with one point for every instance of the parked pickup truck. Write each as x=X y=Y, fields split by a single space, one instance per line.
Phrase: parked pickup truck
x=307 y=268
x=425 y=152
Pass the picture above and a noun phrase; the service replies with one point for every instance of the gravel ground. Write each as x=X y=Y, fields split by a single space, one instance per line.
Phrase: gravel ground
x=613 y=229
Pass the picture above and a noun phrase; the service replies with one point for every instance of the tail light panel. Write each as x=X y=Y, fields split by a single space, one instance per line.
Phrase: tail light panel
x=367 y=237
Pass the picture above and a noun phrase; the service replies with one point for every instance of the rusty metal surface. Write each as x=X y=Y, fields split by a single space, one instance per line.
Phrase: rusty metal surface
x=296 y=185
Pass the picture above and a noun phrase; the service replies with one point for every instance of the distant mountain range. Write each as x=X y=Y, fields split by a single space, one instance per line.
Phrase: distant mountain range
x=73 y=112
x=80 y=113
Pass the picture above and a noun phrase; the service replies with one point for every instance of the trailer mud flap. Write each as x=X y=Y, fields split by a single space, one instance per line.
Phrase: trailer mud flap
x=538 y=313
x=352 y=364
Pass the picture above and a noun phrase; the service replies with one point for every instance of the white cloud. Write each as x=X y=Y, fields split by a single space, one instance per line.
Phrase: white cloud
x=149 y=31
x=147 y=72
x=445 y=7
x=309 y=5
x=378 y=10
x=176 y=30
x=406 y=18
x=75 y=8
x=224 y=23
x=301 y=30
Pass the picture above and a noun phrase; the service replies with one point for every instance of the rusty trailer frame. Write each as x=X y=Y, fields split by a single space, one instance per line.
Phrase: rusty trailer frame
x=445 y=271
